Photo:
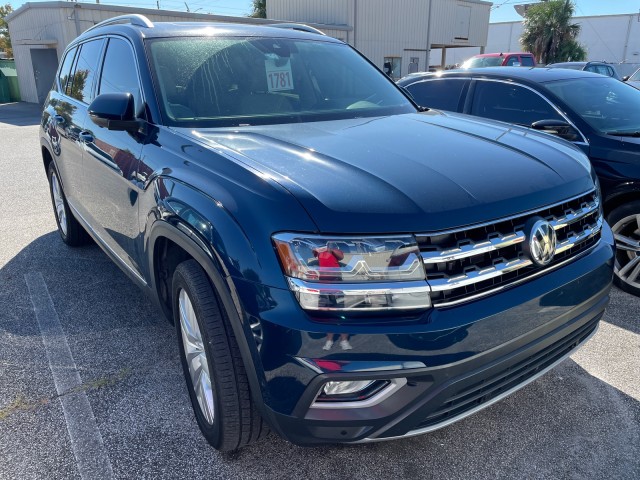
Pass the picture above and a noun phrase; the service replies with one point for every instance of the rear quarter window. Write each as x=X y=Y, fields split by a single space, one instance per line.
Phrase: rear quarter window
x=65 y=70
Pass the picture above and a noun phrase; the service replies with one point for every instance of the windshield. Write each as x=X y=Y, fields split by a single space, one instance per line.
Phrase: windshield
x=229 y=81
x=478 y=62
x=606 y=104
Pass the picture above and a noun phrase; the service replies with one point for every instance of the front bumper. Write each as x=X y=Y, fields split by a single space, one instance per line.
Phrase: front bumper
x=448 y=363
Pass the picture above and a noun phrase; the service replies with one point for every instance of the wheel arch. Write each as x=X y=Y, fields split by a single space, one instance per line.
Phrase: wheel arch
x=630 y=193
x=185 y=243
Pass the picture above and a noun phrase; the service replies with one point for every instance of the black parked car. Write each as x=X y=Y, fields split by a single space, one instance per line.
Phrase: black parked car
x=595 y=67
x=339 y=266
x=599 y=115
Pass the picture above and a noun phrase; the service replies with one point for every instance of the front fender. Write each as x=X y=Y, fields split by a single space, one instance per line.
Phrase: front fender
x=190 y=240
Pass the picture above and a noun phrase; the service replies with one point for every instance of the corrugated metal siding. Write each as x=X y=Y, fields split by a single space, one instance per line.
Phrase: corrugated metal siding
x=332 y=12
x=443 y=18
x=382 y=28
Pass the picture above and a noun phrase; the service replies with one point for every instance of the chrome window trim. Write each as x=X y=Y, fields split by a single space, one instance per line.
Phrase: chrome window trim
x=449 y=421
x=510 y=82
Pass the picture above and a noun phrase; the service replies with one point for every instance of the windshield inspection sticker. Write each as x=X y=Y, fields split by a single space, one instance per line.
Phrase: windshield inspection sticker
x=278 y=74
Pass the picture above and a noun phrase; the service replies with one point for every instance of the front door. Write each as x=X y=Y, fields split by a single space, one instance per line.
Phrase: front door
x=110 y=191
x=45 y=64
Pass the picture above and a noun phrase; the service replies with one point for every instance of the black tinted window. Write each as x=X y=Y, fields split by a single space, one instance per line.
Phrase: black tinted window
x=85 y=70
x=119 y=71
x=526 y=61
x=65 y=69
x=443 y=94
x=510 y=103
x=513 y=61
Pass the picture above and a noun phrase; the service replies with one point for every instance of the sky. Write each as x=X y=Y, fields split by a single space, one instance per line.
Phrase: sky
x=502 y=10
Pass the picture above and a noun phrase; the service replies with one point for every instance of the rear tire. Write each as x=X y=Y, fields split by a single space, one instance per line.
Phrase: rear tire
x=213 y=367
x=625 y=223
x=70 y=230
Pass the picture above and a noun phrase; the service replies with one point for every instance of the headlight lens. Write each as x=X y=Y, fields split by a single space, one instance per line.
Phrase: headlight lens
x=354 y=274
x=350 y=260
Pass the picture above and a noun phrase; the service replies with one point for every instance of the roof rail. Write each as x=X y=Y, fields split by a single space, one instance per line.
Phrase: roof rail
x=133 y=19
x=297 y=26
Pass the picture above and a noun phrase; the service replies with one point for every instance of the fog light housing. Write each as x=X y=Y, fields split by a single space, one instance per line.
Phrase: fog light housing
x=350 y=391
x=344 y=388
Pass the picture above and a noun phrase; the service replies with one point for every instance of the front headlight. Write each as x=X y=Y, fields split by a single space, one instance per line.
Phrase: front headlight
x=365 y=273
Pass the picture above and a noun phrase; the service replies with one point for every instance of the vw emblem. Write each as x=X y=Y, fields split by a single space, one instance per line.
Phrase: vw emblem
x=540 y=244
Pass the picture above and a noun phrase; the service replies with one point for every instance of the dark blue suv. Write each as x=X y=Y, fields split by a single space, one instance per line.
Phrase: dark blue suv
x=340 y=265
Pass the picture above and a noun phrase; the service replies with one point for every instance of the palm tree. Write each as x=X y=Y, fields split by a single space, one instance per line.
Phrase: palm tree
x=259 y=9
x=549 y=34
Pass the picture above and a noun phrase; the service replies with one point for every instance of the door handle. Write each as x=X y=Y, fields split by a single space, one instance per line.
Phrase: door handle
x=85 y=137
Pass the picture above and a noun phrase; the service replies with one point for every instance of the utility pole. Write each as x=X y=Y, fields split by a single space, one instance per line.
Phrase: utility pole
x=185 y=4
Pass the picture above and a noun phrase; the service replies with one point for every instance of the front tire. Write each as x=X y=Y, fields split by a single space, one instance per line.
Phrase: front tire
x=70 y=230
x=625 y=223
x=212 y=364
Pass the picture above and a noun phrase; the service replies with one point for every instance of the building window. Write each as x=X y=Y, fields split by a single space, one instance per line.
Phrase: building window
x=414 y=65
x=393 y=67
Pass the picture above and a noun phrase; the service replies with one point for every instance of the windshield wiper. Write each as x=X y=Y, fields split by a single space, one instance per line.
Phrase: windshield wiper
x=625 y=134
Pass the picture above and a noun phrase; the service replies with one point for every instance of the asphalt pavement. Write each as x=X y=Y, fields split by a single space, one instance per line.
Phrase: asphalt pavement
x=91 y=385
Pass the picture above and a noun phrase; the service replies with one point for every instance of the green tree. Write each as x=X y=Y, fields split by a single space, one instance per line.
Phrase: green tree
x=5 y=39
x=259 y=9
x=548 y=33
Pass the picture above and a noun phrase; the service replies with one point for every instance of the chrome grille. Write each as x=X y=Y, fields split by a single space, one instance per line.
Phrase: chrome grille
x=464 y=264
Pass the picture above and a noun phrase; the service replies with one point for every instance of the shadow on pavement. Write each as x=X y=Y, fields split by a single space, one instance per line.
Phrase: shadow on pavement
x=20 y=114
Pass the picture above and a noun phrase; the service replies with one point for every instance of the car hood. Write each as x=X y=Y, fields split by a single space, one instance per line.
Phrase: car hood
x=408 y=173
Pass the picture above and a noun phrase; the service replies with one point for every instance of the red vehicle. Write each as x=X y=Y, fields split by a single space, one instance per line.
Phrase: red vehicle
x=511 y=59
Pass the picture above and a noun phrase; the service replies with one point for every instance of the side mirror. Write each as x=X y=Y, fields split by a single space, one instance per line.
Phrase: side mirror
x=114 y=111
x=556 y=127
x=625 y=78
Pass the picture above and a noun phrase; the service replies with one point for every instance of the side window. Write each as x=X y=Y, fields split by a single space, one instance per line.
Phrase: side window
x=510 y=103
x=592 y=68
x=443 y=94
x=85 y=70
x=513 y=62
x=610 y=71
x=119 y=72
x=526 y=61
x=65 y=70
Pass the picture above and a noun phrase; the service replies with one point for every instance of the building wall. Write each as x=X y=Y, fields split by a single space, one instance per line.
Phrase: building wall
x=384 y=28
x=613 y=38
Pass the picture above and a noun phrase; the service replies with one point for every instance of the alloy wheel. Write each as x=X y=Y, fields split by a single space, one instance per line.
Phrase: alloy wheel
x=627 y=234
x=58 y=201
x=196 y=356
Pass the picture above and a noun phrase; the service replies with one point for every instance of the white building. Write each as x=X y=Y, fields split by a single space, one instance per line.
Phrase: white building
x=613 y=38
x=396 y=33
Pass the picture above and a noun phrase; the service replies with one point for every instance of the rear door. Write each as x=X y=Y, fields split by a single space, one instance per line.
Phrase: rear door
x=75 y=91
x=110 y=191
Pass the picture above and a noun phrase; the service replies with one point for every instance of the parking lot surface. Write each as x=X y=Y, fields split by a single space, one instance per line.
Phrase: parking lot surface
x=91 y=385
